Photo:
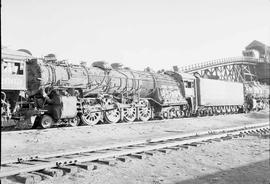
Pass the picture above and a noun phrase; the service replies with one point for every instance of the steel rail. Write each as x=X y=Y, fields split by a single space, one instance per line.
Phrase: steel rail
x=120 y=151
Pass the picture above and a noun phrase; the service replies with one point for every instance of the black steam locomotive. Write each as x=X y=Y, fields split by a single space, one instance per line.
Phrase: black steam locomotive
x=48 y=93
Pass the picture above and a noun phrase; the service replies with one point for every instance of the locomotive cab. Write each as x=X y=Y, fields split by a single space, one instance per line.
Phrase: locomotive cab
x=13 y=83
x=190 y=90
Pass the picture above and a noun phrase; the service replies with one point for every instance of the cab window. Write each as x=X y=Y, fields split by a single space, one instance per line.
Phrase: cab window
x=188 y=84
x=12 y=68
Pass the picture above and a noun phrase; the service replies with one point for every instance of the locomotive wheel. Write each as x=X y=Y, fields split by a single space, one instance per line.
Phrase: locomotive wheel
x=210 y=112
x=129 y=114
x=74 y=121
x=228 y=110
x=234 y=110
x=144 y=113
x=178 y=113
x=182 y=113
x=46 y=121
x=201 y=113
x=112 y=116
x=187 y=113
x=238 y=109
x=172 y=113
x=223 y=110
x=218 y=110
x=91 y=118
x=165 y=115
x=214 y=111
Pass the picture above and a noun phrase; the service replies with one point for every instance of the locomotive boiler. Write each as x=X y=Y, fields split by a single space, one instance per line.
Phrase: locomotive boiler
x=69 y=93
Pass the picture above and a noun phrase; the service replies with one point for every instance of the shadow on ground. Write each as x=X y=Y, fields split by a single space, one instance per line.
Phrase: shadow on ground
x=264 y=114
x=255 y=173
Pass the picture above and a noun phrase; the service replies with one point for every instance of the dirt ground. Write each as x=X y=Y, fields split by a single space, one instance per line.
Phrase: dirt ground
x=242 y=160
x=238 y=161
x=30 y=143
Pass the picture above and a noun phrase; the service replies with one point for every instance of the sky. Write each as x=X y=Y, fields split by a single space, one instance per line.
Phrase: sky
x=137 y=33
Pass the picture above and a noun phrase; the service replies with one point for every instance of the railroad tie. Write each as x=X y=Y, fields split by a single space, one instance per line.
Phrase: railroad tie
x=241 y=135
x=164 y=150
x=107 y=161
x=69 y=169
x=53 y=172
x=136 y=155
x=195 y=144
x=261 y=131
x=207 y=141
x=124 y=158
x=184 y=146
x=151 y=153
x=226 y=138
x=174 y=148
x=28 y=178
x=86 y=165
x=217 y=139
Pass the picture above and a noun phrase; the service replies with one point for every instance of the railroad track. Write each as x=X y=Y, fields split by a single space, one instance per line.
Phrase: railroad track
x=27 y=130
x=37 y=167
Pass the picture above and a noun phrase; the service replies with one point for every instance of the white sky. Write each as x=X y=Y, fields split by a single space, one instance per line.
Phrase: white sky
x=136 y=33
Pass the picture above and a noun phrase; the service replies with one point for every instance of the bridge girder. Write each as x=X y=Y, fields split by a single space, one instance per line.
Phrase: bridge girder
x=237 y=69
x=239 y=72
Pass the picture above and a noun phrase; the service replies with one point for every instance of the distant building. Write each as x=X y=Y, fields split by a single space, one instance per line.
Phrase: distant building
x=262 y=49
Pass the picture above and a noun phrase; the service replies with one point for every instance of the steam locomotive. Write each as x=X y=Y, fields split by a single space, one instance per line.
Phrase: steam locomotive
x=49 y=93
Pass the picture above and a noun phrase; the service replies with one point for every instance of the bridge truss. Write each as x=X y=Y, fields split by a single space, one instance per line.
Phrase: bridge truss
x=237 y=69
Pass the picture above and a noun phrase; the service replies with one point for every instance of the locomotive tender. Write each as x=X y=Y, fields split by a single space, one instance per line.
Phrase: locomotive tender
x=53 y=93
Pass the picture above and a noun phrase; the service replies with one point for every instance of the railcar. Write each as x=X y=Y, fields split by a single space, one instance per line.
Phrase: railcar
x=257 y=95
x=13 y=83
x=257 y=90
